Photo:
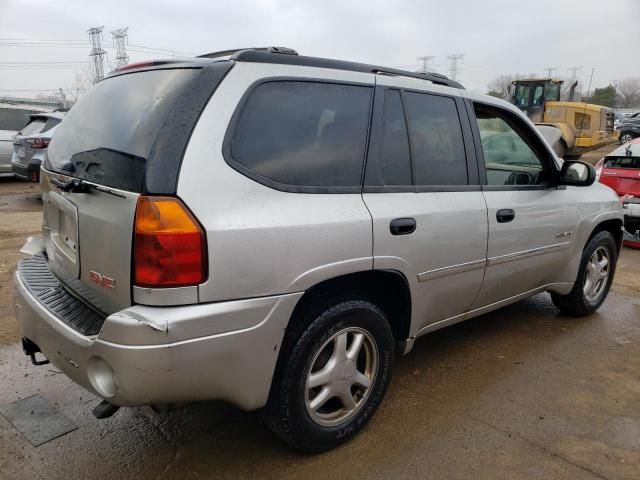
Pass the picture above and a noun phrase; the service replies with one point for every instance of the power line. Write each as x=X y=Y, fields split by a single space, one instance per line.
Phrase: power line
x=164 y=50
x=550 y=71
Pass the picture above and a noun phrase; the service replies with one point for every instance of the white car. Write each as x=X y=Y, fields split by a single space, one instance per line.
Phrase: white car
x=13 y=118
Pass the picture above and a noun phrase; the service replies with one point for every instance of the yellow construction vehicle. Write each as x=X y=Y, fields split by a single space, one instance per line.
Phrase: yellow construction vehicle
x=582 y=126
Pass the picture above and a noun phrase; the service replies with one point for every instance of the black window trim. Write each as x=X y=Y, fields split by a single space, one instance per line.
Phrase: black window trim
x=537 y=146
x=283 y=187
x=375 y=150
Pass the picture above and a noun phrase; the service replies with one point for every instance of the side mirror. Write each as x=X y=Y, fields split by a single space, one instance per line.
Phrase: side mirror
x=578 y=174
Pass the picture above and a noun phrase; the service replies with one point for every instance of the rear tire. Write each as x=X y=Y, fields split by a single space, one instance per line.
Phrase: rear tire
x=317 y=362
x=626 y=137
x=592 y=286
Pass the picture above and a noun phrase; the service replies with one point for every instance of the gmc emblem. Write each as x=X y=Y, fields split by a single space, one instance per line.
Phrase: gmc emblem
x=102 y=280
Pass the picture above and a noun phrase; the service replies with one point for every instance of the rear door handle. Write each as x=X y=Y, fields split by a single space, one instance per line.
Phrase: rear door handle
x=402 y=226
x=505 y=215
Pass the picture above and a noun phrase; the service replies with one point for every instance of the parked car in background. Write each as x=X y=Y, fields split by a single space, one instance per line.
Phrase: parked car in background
x=620 y=170
x=629 y=129
x=271 y=229
x=30 y=145
x=13 y=117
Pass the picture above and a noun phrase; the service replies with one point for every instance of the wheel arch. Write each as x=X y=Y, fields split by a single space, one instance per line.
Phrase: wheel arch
x=613 y=226
x=388 y=289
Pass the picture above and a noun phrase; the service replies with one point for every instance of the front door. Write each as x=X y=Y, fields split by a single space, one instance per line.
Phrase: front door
x=532 y=223
x=429 y=215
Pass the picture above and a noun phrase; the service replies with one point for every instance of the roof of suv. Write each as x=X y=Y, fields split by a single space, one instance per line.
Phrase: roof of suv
x=287 y=56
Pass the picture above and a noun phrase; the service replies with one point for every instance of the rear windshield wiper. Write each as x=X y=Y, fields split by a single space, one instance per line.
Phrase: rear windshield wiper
x=77 y=185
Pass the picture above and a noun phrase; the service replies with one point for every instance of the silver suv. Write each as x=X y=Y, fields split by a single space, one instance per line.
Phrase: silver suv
x=271 y=230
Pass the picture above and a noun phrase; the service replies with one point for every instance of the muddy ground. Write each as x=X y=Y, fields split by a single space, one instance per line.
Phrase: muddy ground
x=20 y=216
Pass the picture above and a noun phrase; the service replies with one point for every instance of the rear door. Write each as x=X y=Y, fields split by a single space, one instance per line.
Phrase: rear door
x=105 y=141
x=532 y=223
x=421 y=187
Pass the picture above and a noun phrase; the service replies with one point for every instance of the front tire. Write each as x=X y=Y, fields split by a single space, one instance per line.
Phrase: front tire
x=334 y=370
x=597 y=268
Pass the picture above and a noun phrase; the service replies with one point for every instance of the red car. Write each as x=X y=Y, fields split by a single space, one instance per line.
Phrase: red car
x=620 y=170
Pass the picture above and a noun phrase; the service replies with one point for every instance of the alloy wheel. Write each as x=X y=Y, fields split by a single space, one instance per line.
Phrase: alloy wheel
x=341 y=376
x=597 y=274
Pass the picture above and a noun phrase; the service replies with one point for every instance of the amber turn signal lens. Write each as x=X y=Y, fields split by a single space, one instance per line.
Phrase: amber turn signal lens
x=169 y=244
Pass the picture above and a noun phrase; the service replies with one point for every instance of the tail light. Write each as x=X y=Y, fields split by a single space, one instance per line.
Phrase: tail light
x=169 y=247
x=599 y=166
x=38 y=143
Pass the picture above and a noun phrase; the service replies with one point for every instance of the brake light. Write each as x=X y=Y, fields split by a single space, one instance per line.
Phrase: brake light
x=143 y=64
x=169 y=247
x=599 y=166
x=38 y=143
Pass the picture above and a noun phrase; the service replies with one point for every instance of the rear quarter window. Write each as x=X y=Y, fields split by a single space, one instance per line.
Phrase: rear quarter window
x=302 y=136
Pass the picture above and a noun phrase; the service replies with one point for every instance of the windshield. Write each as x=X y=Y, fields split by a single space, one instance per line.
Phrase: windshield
x=522 y=95
x=108 y=135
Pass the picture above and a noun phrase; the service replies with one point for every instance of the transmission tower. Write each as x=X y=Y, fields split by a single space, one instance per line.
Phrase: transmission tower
x=424 y=68
x=453 y=69
x=120 y=41
x=550 y=71
x=96 y=55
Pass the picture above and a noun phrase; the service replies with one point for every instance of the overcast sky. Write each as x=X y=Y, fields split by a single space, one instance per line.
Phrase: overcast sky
x=497 y=36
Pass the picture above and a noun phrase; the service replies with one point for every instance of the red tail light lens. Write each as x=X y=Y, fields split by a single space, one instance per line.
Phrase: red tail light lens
x=169 y=245
x=38 y=143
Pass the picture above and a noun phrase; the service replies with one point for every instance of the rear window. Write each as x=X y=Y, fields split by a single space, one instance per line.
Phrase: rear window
x=14 y=119
x=622 y=162
x=34 y=126
x=39 y=125
x=302 y=135
x=107 y=136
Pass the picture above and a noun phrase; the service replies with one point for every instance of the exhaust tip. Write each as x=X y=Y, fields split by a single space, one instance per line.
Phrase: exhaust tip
x=104 y=410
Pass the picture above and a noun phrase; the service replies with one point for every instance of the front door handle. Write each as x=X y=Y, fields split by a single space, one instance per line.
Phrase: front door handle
x=505 y=215
x=402 y=226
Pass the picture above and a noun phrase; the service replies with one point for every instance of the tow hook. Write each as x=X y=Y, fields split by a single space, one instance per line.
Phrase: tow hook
x=29 y=348
x=104 y=410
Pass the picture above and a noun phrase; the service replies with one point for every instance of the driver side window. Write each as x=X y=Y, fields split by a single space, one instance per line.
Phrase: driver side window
x=509 y=157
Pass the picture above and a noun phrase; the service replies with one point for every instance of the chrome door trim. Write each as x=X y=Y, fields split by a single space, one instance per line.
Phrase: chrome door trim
x=527 y=253
x=451 y=270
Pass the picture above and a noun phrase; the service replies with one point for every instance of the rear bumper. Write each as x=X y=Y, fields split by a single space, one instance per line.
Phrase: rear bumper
x=25 y=172
x=631 y=222
x=156 y=355
x=25 y=168
x=5 y=163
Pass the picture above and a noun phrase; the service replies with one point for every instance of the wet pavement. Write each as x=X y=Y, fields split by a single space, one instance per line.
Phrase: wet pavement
x=521 y=393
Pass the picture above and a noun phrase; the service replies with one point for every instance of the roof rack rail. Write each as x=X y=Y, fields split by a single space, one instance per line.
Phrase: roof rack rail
x=292 y=58
x=227 y=53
